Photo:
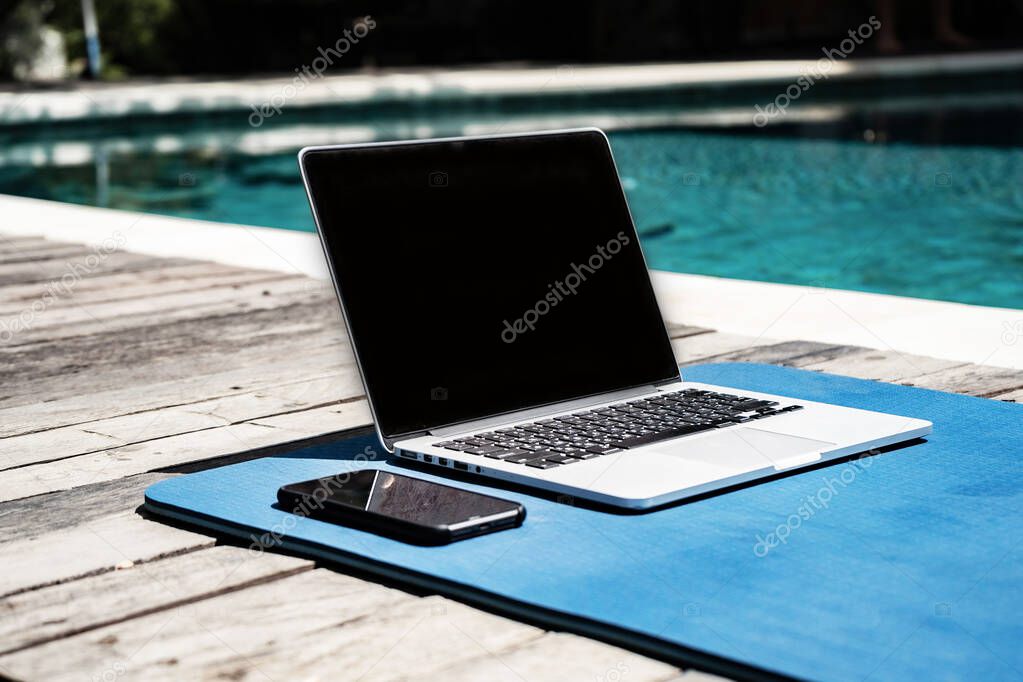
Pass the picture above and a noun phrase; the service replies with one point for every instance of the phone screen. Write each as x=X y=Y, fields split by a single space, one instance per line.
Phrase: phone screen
x=401 y=497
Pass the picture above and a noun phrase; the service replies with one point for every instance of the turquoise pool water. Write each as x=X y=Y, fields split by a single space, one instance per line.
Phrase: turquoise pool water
x=917 y=217
x=930 y=222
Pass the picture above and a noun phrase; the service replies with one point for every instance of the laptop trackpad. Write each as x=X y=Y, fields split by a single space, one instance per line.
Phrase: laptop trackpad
x=747 y=449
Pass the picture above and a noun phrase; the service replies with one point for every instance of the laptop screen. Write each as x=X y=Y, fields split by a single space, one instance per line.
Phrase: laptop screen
x=484 y=276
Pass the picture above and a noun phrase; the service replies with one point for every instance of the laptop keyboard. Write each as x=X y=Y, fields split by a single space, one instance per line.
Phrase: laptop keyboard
x=587 y=434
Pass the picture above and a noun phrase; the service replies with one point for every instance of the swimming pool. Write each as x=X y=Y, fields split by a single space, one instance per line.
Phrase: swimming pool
x=863 y=201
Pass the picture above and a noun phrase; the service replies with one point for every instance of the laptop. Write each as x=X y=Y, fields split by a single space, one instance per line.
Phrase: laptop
x=504 y=324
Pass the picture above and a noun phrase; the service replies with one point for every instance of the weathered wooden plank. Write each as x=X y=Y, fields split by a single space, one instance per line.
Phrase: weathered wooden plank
x=309 y=423
x=794 y=353
x=979 y=380
x=39 y=252
x=1011 y=396
x=789 y=353
x=140 y=333
x=62 y=610
x=147 y=339
x=103 y=434
x=678 y=330
x=882 y=365
x=412 y=635
x=554 y=657
x=37 y=479
x=283 y=629
x=167 y=351
x=55 y=324
x=14 y=241
x=144 y=284
x=37 y=516
x=89 y=548
x=233 y=377
x=708 y=347
x=323 y=620
x=47 y=270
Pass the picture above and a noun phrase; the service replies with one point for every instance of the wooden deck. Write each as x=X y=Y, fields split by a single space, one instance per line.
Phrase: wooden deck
x=152 y=367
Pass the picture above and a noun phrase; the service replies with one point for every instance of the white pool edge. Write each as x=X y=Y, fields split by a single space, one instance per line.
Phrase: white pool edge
x=952 y=331
x=249 y=96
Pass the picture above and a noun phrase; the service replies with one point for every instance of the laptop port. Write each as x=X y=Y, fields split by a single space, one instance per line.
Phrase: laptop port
x=428 y=459
x=442 y=461
x=406 y=454
x=461 y=466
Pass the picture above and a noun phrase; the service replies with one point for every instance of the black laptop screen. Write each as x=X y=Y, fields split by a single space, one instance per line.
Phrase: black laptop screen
x=484 y=276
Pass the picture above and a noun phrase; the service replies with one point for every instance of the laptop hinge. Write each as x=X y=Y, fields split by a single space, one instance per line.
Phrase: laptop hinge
x=674 y=381
x=537 y=412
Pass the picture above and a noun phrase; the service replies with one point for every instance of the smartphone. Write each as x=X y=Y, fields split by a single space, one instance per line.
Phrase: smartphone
x=402 y=507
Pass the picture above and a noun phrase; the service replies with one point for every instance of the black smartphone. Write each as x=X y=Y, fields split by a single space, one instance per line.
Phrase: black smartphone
x=402 y=507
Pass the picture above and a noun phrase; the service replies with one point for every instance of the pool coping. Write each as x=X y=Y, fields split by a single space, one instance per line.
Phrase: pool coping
x=23 y=105
x=952 y=331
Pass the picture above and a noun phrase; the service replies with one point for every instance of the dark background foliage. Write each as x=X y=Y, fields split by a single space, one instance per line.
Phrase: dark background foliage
x=190 y=37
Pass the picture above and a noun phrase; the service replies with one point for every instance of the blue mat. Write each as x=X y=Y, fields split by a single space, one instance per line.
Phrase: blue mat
x=903 y=565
